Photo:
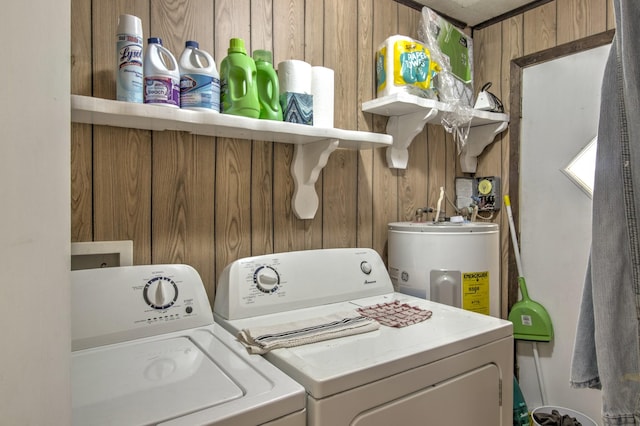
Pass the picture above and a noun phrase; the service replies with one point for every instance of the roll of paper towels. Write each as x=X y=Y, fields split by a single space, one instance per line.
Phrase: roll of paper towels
x=322 y=90
x=294 y=76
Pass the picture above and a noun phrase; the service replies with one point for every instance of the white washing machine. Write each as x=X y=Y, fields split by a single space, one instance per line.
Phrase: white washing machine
x=454 y=368
x=145 y=351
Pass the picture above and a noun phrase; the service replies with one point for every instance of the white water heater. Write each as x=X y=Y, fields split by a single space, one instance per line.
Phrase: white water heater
x=453 y=263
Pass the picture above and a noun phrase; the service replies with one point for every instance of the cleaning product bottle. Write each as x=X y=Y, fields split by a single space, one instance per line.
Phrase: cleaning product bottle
x=199 y=79
x=129 y=71
x=161 y=75
x=268 y=86
x=238 y=88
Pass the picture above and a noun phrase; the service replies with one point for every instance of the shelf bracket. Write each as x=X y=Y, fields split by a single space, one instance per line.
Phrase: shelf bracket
x=404 y=128
x=479 y=137
x=308 y=160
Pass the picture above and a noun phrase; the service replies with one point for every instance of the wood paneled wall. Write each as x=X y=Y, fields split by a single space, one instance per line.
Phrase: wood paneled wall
x=208 y=201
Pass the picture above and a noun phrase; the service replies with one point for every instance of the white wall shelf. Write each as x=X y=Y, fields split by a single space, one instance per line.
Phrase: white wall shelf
x=408 y=115
x=313 y=145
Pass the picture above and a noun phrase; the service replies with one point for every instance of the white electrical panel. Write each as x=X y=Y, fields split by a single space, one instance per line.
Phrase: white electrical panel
x=481 y=191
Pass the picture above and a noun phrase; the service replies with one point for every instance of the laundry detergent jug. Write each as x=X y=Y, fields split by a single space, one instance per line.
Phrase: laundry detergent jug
x=268 y=86
x=238 y=86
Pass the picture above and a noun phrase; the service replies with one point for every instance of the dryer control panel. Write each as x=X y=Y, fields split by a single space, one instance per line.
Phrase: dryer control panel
x=279 y=282
x=112 y=305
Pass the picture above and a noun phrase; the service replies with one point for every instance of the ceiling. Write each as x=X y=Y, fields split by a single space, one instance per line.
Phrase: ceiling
x=474 y=12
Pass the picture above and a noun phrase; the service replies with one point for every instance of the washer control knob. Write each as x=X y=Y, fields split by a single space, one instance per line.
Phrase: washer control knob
x=266 y=279
x=365 y=267
x=160 y=292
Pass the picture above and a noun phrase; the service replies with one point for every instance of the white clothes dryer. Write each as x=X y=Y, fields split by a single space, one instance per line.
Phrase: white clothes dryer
x=454 y=368
x=145 y=351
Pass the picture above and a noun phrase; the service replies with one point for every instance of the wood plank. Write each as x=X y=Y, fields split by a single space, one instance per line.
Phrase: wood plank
x=288 y=43
x=539 y=28
x=104 y=25
x=81 y=183
x=81 y=47
x=314 y=32
x=121 y=158
x=340 y=189
x=412 y=182
x=262 y=152
x=512 y=47
x=183 y=203
x=81 y=134
x=122 y=188
x=487 y=68
x=385 y=180
x=183 y=164
x=366 y=92
x=452 y=167
x=580 y=18
x=611 y=16
x=439 y=144
x=233 y=156
x=314 y=54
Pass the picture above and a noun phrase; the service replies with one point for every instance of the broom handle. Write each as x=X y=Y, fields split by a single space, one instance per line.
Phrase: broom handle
x=514 y=239
x=536 y=359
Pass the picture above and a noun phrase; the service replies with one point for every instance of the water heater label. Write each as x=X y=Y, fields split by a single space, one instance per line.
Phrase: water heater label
x=476 y=291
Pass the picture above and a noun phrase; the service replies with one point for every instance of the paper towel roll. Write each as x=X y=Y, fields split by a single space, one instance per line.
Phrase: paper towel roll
x=322 y=90
x=294 y=76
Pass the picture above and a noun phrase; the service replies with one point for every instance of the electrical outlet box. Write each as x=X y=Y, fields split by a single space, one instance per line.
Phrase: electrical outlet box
x=481 y=191
x=101 y=254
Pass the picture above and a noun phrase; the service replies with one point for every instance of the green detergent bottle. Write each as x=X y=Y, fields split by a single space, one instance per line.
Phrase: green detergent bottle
x=268 y=86
x=238 y=85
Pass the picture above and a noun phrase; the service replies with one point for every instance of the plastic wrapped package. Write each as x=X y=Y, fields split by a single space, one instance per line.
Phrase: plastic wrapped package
x=405 y=65
x=453 y=51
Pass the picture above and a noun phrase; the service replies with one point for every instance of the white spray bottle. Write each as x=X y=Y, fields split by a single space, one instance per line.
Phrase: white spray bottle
x=129 y=59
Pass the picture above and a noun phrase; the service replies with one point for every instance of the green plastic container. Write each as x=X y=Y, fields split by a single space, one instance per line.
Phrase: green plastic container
x=238 y=82
x=268 y=86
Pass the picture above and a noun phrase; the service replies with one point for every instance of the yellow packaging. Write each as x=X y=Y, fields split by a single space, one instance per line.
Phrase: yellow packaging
x=404 y=65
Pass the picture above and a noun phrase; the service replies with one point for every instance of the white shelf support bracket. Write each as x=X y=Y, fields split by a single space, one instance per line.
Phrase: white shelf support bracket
x=308 y=160
x=404 y=128
x=479 y=138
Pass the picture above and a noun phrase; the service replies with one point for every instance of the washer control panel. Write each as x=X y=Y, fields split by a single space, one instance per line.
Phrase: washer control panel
x=279 y=282
x=111 y=305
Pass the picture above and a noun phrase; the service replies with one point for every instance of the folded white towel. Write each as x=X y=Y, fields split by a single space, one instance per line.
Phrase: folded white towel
x=260 y=340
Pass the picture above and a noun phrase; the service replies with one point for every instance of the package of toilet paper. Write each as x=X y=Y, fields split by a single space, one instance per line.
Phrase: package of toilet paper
x=405 y=65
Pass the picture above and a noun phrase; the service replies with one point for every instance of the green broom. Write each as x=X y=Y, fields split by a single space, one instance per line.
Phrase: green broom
x=530 y=319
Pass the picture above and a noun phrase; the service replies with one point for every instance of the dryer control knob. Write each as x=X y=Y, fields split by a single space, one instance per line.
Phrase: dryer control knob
x=160 y=292
x=266 y=279
x=365 y=267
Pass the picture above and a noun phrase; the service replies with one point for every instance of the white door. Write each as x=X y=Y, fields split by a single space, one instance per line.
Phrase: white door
x=560 y=109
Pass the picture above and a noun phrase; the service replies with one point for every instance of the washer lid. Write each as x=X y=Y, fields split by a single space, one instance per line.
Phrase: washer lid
x=444 y=227
x=328 y=367
x=145 y=383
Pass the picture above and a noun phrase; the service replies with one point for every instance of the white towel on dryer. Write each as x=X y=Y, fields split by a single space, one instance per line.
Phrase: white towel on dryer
x=260 y=340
